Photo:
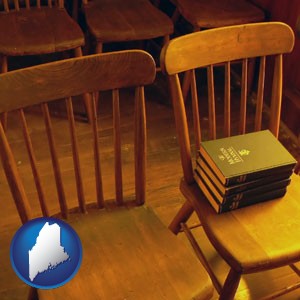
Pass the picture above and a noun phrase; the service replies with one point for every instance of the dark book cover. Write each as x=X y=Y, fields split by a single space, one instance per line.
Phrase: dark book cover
x=205 y=171
x=244 y=195
x=242 y=158
x=229 y=206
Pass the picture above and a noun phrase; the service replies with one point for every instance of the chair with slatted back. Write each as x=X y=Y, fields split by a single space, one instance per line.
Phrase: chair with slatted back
x=123 y=21
x=203 y=14
x=29 y=28
x=127 y=251
x=258 y=237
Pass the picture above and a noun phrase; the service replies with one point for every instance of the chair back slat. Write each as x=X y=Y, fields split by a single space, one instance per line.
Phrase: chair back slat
x=117 y=147
x=33 y=164
x=243 y=108
x=61 y=147
x=260 y=93
x=223 y=48
x=96 y=148
x=140 y=145
x=55 y=162
x=196 y=112
x=75 y=154
x=227 y=108
x=211 y=103
x=6 y=5
x=16 y=3
x=14 y=179
x=276 y=96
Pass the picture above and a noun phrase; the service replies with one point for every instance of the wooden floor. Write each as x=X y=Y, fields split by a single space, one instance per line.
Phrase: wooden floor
x=163 y=174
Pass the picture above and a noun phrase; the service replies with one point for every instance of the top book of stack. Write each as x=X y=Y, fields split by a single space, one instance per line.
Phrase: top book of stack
x=243 y=158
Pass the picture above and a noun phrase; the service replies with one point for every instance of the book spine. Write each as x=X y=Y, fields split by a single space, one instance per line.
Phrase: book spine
x=246 y=195
x=255 y=175
x=205 y=172
x=229 y=206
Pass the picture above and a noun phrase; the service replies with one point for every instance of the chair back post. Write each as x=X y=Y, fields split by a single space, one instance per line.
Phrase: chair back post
x=140 y=139
x=182 y=128
x=13 y=178
x=276 y=97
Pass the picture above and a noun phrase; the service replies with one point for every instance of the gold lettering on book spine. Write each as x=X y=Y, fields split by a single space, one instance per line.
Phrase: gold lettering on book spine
x=234 y=205
x=242 y=178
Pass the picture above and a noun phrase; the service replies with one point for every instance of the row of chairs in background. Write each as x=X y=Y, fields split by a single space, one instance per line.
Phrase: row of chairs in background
x=44 y=27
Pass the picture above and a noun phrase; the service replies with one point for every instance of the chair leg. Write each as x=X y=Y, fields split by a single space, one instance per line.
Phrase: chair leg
x=181 y=217
x=33 y=294
x=3 y=120
x=175 y=15
x=4 y=69
x=230 y=286
x=75 y=8
x=86 y=97
x=99 y=47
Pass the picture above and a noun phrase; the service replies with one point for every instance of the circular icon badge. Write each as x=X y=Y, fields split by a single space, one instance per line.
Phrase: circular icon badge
x=46 y=253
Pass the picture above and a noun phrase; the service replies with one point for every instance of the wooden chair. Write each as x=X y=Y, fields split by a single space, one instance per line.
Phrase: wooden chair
x=127 y=252
x=215 y=13
x=259 y=237
x=123 y=21
x=37 y=29
x=203 y=14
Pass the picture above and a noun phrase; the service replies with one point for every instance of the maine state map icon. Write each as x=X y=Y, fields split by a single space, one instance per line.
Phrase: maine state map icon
x=46 y=253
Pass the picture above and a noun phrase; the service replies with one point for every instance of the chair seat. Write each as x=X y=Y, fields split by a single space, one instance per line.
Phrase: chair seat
x=130 y=254
x=261 y=236
x=216 y=13
x=119 y=20
x=38 y=31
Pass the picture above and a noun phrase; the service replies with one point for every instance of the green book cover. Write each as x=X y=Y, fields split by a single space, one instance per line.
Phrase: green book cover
x=246 y=157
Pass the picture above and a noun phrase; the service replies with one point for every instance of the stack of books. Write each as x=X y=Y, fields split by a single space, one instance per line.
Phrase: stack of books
x=243 y=170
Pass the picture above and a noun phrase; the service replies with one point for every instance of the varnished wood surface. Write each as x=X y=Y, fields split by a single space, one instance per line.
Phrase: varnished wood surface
x=127 y=261
x=214 y=13
x=128 y=20
x=87 y=72
x=262 y=236
x=38 y=31
x=226 y=44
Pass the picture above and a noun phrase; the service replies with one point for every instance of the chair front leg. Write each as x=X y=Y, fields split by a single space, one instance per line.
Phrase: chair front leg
x=230 y=286
x=181 y=217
